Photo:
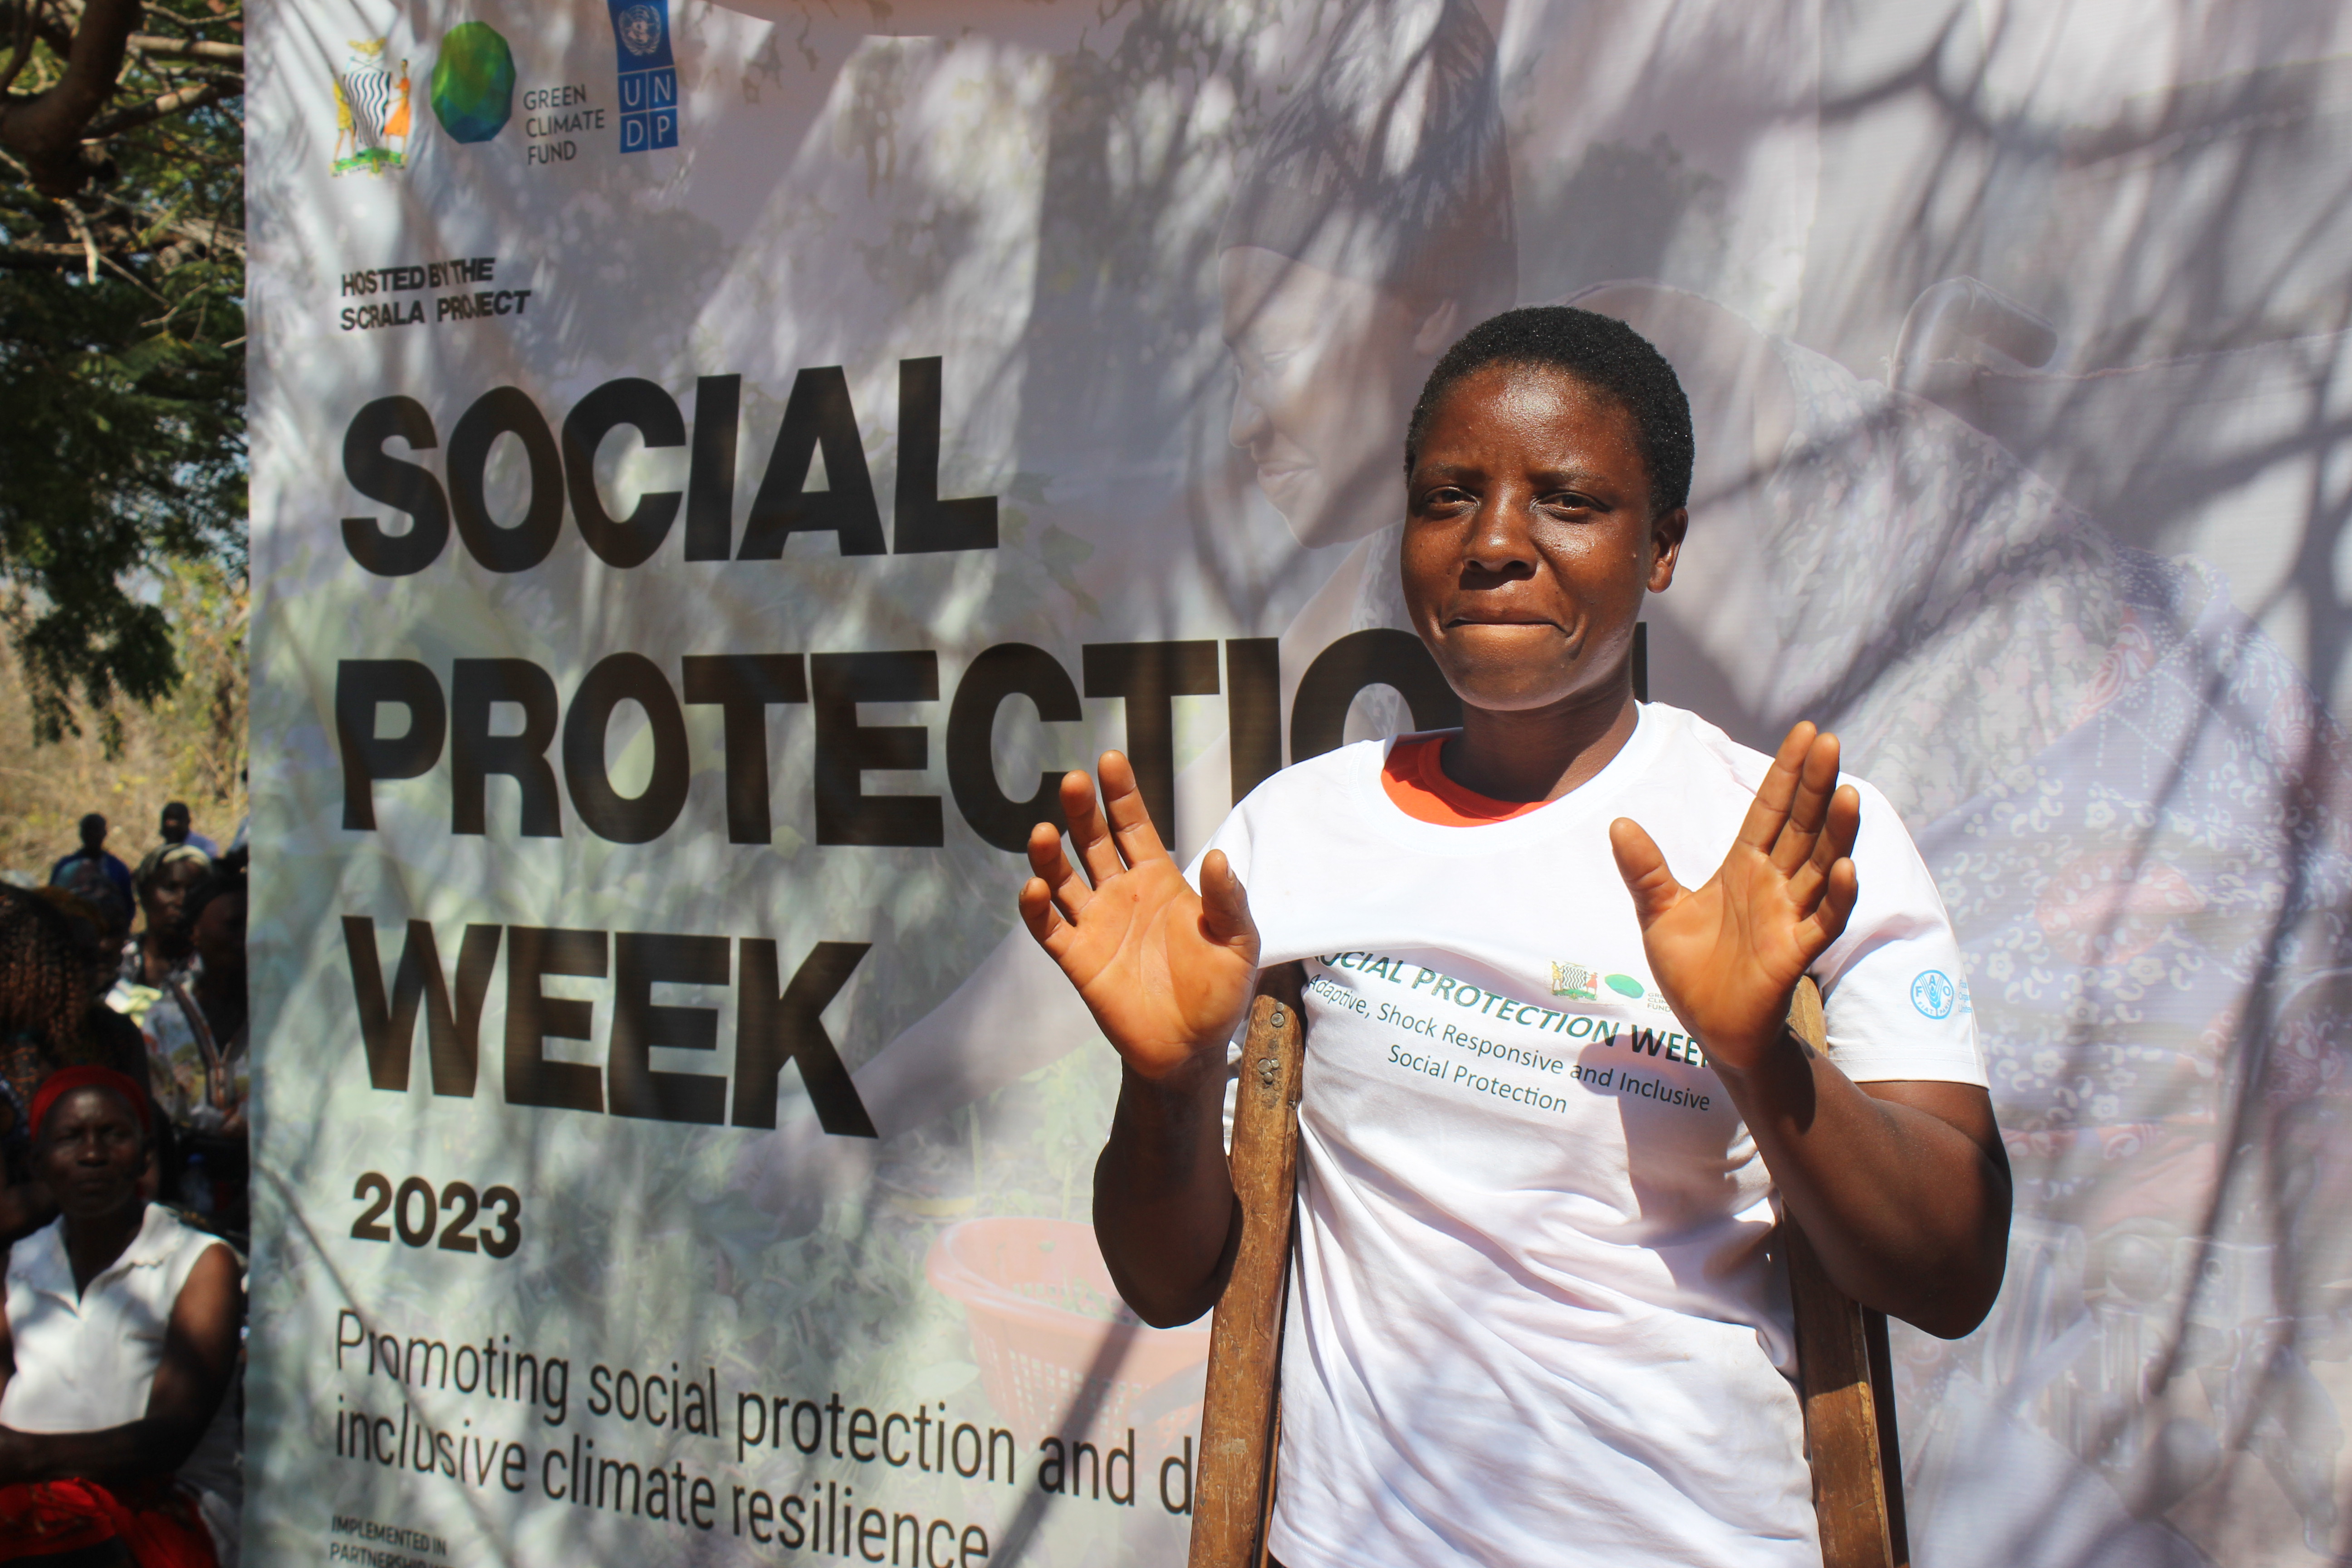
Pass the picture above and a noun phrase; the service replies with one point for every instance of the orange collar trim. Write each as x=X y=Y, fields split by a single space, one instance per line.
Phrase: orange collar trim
x=1420 y=788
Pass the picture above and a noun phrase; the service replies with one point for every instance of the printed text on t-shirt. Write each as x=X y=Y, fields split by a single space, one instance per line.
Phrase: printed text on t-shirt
x=1432 y=1062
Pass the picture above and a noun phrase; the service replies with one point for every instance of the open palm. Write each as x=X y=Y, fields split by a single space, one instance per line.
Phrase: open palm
x=1729 y=954
x=1165 y=971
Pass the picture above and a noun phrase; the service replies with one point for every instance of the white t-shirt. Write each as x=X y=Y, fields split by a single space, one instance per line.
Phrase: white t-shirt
x=1532 y=1320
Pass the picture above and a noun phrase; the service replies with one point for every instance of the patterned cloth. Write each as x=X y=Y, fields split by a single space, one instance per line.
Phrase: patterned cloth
x=157 y=1523
x=200 y=1081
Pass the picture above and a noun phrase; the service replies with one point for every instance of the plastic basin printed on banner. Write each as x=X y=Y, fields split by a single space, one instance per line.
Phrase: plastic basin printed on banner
x=1059 y=1352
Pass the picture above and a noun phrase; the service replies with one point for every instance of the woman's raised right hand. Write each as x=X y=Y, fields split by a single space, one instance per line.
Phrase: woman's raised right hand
x=1165 y=972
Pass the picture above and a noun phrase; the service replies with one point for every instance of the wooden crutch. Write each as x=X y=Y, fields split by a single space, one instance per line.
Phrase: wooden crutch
x=1241 y=1411
x=1845 y=1375
x=1844 y=1370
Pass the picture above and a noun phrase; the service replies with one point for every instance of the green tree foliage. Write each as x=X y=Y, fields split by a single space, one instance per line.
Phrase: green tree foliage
x=121 y=336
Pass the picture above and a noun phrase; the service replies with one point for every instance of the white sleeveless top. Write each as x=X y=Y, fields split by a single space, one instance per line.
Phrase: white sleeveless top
x=85 y=1360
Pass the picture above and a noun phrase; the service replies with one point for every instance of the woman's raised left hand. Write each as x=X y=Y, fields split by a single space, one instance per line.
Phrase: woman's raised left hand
x=1729 y=954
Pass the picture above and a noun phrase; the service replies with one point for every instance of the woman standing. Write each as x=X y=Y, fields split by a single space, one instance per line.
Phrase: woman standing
x=1552 y=1110
x=161 y=951
x=200 y=1066
x=195 y=1035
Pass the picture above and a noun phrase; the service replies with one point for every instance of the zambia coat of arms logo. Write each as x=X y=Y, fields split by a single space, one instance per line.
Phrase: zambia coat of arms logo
x=1572 y=980
x=372 y=112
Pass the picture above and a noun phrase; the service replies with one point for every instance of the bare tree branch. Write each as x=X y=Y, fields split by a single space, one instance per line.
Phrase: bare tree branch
x=85 y=49
x=38 y=18
x=74 y=218
x=47 y=128
x=179 y=101
x=23 y=44
x=133 y=279
x=233 y=16
x=88 y=240
x=41 y=257
x=188 y=50
x=199 y=231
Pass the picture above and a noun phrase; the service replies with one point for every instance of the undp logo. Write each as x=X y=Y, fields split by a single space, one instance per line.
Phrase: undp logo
x=648 y=74
x=1933 y=994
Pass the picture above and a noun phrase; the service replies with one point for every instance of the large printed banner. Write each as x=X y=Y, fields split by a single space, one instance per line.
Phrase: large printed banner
x=712 y=467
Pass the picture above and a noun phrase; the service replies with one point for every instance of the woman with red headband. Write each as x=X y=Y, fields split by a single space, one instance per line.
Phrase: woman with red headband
x=118 y=1346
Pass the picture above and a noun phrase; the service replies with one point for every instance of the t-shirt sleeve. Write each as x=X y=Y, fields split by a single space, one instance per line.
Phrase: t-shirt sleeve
x=1895 y=988
x=1233 y=836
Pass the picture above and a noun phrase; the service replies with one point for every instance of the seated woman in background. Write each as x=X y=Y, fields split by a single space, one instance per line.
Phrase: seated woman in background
x=185 y=990
x=117 y=1348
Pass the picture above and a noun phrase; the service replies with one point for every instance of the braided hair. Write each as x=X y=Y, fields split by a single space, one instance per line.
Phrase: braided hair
x=44 y=975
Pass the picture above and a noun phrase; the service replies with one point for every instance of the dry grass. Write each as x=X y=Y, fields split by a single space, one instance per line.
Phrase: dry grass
x=190 y=746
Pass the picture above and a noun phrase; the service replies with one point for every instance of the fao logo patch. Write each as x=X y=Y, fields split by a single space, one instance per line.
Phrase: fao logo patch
x=1933 y=994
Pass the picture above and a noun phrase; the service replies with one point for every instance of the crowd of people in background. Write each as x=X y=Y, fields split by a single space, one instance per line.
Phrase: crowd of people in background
x=124 y=1165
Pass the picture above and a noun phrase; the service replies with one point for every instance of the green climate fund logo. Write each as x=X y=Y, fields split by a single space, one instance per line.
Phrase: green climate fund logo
x=472 y=82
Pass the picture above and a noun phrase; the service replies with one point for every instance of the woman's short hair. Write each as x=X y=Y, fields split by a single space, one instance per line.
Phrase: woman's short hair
x=1600 y=352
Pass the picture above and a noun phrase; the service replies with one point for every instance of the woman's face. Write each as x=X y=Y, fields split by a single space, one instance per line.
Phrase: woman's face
x=1528 y=540
x=219 y=934
x=90 y=1154
x=166 y=896
x=1328 y=367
